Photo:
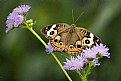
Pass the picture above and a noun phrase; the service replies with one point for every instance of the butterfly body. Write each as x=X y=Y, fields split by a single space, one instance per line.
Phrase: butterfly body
x=69 y=38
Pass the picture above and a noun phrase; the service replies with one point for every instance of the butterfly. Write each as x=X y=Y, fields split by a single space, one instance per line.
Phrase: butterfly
x=69 y=38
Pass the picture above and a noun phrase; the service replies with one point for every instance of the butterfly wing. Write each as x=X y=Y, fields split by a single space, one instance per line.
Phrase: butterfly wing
x=87 y=37
x=55 y=34
x=51 y=31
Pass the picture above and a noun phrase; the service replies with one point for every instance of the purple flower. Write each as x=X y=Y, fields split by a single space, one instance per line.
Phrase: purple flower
x=49 y=48
x=16 y=18
x=89 y=53
x=94 y=51
x=22 y=9
x=13 y=20
x=96 y=62
x=75 y=63
x=102 y=50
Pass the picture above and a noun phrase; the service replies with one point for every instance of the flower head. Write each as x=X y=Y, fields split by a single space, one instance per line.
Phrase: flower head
x=16 y=18
x=102 y=50
x=75 y=63
x=89 y=53
x=22 y=9
x=94 y=51
x=13 y=20
x=49 y=48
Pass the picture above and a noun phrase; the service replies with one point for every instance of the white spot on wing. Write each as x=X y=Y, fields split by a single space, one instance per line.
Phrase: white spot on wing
x=53 y=26
x=46 y=28
x=91 y=35
x=51 y=29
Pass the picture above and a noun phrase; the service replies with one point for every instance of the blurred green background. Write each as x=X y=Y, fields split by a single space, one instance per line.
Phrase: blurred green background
x=23 y=57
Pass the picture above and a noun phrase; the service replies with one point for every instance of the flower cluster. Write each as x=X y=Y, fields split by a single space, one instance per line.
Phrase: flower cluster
x=16 y=18
x=77 y=63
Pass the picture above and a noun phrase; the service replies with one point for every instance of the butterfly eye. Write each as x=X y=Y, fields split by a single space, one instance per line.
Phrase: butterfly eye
x=56 y=40
x=61 y=43
x=52 y=32
x=79 y=45
x=71 y=46
x=87 y=41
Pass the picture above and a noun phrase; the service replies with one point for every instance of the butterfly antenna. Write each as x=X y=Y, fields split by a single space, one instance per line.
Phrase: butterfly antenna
x=73 y=15
x=79 y=17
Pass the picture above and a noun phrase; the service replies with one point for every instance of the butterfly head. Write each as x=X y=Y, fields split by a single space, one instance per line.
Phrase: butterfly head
x=73 y=25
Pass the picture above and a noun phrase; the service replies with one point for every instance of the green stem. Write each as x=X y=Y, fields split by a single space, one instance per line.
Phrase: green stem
x=88 y=69
x=57 y=60
x=80 y=75
x=37 y=36
x=59 y=63
x=83 y=77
